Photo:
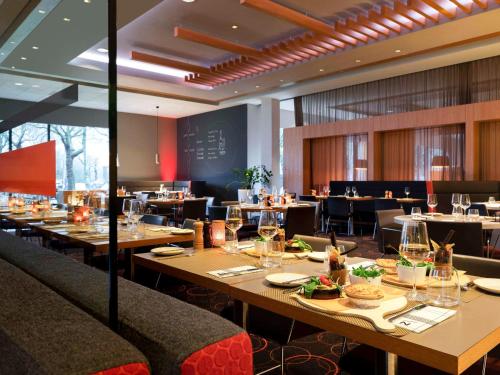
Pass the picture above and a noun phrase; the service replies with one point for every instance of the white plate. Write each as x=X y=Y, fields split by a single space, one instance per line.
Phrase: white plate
x=167 y=251
x=317 y=256
x=490 y=285
x=182 y=231
x=287 y=279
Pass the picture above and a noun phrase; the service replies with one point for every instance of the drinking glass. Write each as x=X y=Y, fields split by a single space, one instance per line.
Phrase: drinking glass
x=234 y=221
x=415 y=248
x=455 y=200
x=135 y=215
x=432 y=202
x=250 y=195
x=416 y=212
x=407 y=192
x=261 y=197
x=443 y=287
x=347 y=191
x=492 y=200
x=268 y=227
x=473 y=214
x=354 y=191
x=465 y=202
x=126 y=208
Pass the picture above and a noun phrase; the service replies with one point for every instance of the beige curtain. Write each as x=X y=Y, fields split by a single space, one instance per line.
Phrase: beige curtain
x=335 y=158
x=424 y=154
x=490 y=151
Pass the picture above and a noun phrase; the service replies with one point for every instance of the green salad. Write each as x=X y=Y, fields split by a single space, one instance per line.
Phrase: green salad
x=367 y=272
x=323 y=284
x=298 y=244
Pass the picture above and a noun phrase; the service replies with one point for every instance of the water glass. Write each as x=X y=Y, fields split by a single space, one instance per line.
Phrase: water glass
x=135 y=215
x=443 y=287
x=492 y=200
x=473 y=214
x=456 y=212
x=416 y=212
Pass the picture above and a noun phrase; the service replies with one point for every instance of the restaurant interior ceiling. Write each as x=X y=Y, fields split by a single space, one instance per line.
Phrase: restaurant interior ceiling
x=232 y=51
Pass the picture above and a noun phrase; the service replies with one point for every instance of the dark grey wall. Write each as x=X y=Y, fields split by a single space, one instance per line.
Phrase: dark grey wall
x=210 y=145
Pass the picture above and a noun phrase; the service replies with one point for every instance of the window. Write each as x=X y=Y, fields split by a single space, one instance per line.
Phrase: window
x=82 y=157
x=28 y=134
x=4 y=141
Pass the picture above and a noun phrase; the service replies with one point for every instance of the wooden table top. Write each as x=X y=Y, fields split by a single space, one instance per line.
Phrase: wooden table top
x=451 y=346
x=487 y=223
x=369 y=198
x=98 y=241
x=165 y=202
x=28 y=217
x=279 y=208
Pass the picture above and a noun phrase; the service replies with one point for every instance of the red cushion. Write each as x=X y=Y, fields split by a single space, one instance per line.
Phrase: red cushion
x=130 y=369
x=232 y=356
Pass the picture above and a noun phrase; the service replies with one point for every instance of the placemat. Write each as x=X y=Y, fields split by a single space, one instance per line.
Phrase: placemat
x=277 y=294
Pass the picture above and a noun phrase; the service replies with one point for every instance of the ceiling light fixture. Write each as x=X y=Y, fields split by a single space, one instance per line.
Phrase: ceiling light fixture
x=188 y=1
x=234 y=27
x=257 y=86
x=87 y=1
x=322 y=70
x=358 y=61
x=102 y=50
x=397 y=50
x=12 y=42
x=235 y=91
x=18 y=84
x=23 y=58
x=13 y=67
x=66 y=19
x=157 y=155
x=132 y=64
x=282 y=80
x=41 y=11
x=35 y=86
x=35 y=47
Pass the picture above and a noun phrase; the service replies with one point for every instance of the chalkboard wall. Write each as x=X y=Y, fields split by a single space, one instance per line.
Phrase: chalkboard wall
x=209 y=146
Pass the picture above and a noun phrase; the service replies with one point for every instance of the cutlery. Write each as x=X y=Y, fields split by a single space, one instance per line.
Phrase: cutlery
x=237 y=273
x=293 y=290
x=466 y=287
x=418 y=307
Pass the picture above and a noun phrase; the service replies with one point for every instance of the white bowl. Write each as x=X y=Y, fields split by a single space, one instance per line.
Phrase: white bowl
x=405 y=274
x=365 y=303
x=361 y=280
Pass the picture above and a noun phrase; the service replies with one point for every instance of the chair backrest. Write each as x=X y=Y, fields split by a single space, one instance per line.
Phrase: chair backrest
x=476 y=266
x=317 y=213
x=299 y=219
x=386 y=217
x=188 y=224
x=210 y=202
x=317 y=243
x=468 y=237
x=386 y=204
x=229 y=203
x=483 y=211
x=154 y=219
x=152 y=209
x=194 y=209
x=217 y=213
x=338 y=206
x=308 y=198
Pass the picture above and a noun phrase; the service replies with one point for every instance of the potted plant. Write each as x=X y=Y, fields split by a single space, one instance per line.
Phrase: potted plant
x=247 y=178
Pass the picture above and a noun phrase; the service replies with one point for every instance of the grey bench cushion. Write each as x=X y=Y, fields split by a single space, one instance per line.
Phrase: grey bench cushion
x=43 y=333
x=165 y=329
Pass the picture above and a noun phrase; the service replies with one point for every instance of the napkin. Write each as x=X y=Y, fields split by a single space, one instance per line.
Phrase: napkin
x=418 y=320
x=235 y=271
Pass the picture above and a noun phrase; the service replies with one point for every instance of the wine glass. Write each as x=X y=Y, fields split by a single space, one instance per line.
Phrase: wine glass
x=465 y=202
x=261 y=197
x=135 y=215
x=234 y=221
x=354 y=191
x=432 y=202
x=347 y=191
x=455 y=201
x=268 y=228
x=250 y=195
x=126 y=208
x=407 y=192
x=415 y=248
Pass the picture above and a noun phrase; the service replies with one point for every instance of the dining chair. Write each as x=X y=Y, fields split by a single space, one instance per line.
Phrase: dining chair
x=188 y=224
x=388 y=232
x=217 y=213
x=154 y=219
x=229 y=203
x=194 y=209
x=468 y=237
x=338 y=212
x=319 y=243
x=317 y=213
x=386 y=204
x=210 y=203
x=476 y=266
x=308 y=198
x=300 y=219
x=493 y=250
x=363 y=214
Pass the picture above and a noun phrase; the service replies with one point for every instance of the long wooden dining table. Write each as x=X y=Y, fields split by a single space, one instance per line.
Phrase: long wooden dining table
x=451 y=346
x=487 y=223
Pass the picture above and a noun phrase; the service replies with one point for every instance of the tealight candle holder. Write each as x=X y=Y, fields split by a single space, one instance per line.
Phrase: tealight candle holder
x=218 y=232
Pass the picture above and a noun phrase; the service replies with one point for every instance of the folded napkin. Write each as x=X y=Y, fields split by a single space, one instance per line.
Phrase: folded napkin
x=235 y=271
x=420 y=319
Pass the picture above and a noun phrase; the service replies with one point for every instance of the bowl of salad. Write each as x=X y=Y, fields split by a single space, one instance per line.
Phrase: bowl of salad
x=405 y=271
x=366 y=275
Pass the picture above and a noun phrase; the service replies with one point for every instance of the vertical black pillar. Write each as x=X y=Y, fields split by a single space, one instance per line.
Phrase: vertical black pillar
x=112 y=114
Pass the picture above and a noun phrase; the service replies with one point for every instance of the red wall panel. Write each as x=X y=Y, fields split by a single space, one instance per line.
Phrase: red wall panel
x=167 y=146
x=29 y=170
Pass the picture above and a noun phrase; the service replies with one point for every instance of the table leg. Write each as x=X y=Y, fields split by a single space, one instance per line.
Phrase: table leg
x=386 y=363
x=128 y=263
x=87 y=256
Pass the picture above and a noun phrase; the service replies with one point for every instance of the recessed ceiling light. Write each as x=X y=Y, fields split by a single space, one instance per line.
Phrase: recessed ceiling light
x=188 y=1
x=87 y=1
x=23 y=58
x=257 y=86
x=390 y=111
x=282 y=80
x=102 y=50
x=41 y=11
x=1 y=53
x=66 y=19
x=234 y=27
x=358 y=61
x=18 y=84
x=35 y=47
x=235 y=91
x=322 y=70
x=397 y=50
x=13 y=67
x=35 y=86
x=12 y=42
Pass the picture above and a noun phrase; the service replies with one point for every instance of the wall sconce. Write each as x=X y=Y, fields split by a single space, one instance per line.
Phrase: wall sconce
x=361 y=164
x=218 y=233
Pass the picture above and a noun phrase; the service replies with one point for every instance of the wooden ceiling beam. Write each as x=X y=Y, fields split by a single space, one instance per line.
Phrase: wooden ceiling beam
x=445 y=12
x=196 y=37
x=313 y=40
x=351 y=32
x=424 y=10
x=302 y=40
x=483 y=4
x=396 y=18
x=368 y=23
x=302 y=56
x=157 y=60
x=269 y=51
x=362 y=29
x=464 y=7
x=326 y=39
x=294 y=43
x=379 y=19
x=409 y=13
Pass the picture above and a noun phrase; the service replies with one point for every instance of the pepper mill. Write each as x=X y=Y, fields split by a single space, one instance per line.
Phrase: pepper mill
x=198 y=235
x=207 y=237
